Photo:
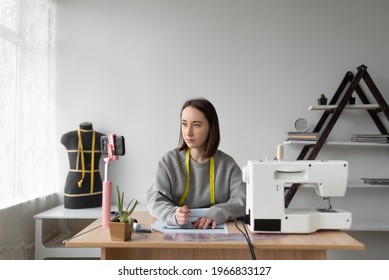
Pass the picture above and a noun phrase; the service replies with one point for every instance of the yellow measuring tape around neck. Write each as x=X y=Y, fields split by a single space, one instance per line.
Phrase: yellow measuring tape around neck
x=211 y=179
x=81 y=148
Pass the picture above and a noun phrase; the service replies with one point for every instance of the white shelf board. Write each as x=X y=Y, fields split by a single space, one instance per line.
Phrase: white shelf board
x=338 y=143
x=60 y=212
x=365 y=186
x=348 y=107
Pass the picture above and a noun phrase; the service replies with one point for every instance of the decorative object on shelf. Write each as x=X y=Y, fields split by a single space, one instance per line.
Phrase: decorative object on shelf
x=371 y=138
x=372 y=181
x=352 y=100
x=301 y=125
x=322 y=100
x=121 y=226
x=303 y=136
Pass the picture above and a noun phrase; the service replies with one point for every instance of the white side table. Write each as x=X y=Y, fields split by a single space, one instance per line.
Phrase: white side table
x=55 y=248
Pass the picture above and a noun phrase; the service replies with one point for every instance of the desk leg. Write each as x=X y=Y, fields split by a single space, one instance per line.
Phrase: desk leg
x=208 y=254
x=39 y=247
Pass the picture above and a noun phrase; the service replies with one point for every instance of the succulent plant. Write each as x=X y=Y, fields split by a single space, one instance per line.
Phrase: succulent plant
x=124 y=215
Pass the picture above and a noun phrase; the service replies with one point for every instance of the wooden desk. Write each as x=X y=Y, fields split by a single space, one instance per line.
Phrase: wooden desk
x=287 y=246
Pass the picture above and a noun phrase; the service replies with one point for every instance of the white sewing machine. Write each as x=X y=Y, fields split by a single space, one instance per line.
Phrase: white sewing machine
x=265 y=203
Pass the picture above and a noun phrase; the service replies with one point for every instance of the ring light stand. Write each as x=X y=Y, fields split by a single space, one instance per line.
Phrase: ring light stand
x=107 y=185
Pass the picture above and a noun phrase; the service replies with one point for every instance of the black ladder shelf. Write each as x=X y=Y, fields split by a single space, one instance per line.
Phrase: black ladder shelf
x=347 y=87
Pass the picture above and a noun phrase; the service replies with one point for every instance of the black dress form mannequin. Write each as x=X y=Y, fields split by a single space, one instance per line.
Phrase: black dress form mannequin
x=83 y=187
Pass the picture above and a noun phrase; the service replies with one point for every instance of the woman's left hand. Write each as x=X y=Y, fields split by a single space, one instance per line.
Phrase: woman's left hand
x=204 y=223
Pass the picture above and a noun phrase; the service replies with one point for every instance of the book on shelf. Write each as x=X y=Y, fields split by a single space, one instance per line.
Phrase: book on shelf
x=304 y=136
x=376 y=181
x=371 y=138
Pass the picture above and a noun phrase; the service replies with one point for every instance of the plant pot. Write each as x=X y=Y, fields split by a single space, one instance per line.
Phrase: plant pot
x=351 y=100
x=322 y=101
x=120 y=231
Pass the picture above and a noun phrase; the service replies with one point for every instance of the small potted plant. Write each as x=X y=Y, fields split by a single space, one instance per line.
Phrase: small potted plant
x=322 y=100
x=120 y=227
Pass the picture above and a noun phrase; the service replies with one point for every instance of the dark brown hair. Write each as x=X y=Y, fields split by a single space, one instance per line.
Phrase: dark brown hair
x=209 y=111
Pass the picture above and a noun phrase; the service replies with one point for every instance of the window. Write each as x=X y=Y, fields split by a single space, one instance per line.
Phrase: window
x=27 y=143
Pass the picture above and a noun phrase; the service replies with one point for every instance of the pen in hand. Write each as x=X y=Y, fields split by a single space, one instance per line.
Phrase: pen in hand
x=168 y=198
x=171 y=200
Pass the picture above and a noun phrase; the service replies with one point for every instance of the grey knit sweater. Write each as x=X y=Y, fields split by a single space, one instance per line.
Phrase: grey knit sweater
x=170 y=179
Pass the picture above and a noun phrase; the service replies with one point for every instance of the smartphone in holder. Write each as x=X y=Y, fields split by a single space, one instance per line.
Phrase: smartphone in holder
x=119 y=145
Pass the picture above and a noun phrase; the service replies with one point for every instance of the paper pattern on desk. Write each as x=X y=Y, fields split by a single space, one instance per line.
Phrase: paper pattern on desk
x=207 y=237
x=195 y=214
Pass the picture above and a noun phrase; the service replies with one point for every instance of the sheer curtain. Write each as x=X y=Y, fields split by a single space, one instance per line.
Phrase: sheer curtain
x=27 y=146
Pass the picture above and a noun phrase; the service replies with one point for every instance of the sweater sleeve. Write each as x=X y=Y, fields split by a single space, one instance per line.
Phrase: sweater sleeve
x=157 y=205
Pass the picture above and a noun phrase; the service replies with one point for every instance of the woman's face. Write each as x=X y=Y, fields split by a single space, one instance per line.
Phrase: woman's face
x=194 y=128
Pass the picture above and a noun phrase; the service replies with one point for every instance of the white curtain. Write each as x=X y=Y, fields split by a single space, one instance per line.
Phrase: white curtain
x=27 y=143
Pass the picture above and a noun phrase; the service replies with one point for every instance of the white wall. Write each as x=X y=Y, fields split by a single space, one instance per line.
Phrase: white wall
x=127 y=67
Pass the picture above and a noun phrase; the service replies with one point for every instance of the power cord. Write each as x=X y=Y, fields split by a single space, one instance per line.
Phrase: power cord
x=247 y=237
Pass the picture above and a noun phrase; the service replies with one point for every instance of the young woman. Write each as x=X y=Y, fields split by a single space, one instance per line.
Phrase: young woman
x=197 y=174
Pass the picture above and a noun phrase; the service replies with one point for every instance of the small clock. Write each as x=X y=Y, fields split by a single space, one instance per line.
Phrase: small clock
x=301 y=125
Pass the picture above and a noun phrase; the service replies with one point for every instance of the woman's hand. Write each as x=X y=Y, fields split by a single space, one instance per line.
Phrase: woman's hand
x=204 y=223
x=182 y=215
